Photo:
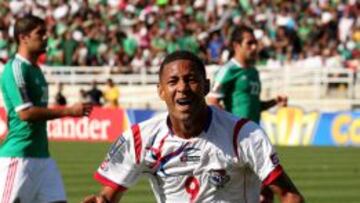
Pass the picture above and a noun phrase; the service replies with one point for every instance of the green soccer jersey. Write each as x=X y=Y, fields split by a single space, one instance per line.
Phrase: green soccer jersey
x=239 y=88
x=23 y=85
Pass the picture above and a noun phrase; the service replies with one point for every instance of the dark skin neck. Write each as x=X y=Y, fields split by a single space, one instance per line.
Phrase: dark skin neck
x=32 y=57
x=191 y=127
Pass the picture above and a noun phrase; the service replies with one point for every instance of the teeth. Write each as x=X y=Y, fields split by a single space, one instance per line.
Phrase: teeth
x=183 y=101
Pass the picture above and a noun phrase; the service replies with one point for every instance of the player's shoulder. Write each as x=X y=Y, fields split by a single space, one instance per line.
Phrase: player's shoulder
x=228 y=70
x=228 y=66
x=220 y=114
x=149 y=128
x=243 y=126
x=223 y=120
x=251 y=133
x=16 y=65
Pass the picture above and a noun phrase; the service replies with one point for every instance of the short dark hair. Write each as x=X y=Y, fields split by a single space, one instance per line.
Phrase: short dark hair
x=183 y=55
x=237 y=34
x=26 y=24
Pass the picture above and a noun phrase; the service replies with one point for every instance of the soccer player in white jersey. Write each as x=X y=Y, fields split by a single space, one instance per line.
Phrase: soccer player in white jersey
x=195 y=153
x=27 y=173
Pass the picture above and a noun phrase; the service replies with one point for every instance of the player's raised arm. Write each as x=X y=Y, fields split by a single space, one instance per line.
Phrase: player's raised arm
x=106 y=195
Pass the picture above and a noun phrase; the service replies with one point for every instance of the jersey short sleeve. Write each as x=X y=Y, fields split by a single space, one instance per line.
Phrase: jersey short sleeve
x=14 y=85
x=223 y=76
x=120 y=169
x=257 y=151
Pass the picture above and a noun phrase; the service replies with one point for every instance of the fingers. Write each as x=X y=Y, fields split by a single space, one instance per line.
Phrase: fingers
x=282 y=101
x=90 y=199
x=81 y=109
x=94 y=199
x=87 y=109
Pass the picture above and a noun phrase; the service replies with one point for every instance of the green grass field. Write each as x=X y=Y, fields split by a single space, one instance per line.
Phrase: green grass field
x=323 y=175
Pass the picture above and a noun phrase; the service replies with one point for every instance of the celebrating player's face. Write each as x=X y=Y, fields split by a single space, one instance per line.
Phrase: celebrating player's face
x=183 y=88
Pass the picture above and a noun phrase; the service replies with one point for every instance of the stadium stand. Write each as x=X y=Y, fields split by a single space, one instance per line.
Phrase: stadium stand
x=309 y=50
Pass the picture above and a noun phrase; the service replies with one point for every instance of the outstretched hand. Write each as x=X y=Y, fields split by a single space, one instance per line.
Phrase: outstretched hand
x=81 y=109
x=94 y=199
x=281 y=101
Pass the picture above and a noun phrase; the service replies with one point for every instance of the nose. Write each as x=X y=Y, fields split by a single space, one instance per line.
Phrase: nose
x=254 y=46
x=45 y=37
x=182 y=86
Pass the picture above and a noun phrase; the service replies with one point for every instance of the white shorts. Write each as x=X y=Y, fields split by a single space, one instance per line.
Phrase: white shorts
x=30 y=180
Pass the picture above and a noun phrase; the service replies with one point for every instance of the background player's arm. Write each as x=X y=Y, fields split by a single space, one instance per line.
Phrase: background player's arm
x=35 y=113
x=107 y=195
x=285 y=189
x=279 y=100
x=215 y=96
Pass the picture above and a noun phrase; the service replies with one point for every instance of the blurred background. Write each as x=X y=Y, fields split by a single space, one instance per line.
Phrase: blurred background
x=108 y=52
x=308 y=50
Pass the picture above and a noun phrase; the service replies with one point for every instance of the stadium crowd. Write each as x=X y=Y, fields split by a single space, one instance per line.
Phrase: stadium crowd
x=130 y=35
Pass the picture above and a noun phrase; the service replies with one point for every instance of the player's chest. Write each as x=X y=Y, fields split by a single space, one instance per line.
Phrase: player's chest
x=37 y=88
x=247 y=81
x=177 y=158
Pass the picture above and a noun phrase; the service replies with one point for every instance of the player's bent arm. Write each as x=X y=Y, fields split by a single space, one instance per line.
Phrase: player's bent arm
x=107 y=195
x=35 y=113
x=279 y=100
x=265 y=105
x=285 y=189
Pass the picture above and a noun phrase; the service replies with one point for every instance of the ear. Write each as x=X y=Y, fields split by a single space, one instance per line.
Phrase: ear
x=207 y=87
x=236 y=45
x=160 y=91
x=22 y=37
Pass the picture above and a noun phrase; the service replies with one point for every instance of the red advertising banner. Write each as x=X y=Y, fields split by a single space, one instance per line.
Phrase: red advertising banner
x=102 y=125
x=3 y=126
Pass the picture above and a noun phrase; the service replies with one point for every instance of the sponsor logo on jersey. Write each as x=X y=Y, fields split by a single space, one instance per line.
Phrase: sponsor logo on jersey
x=275 y=159
x=190 y=154
x=117 y=145
x=105 y=164
x=218 y=178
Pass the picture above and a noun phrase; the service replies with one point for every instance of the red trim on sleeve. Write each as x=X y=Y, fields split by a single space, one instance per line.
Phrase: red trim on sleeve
x=237 y=129
x=137 y=142
x=274 y=174
x=107 y=182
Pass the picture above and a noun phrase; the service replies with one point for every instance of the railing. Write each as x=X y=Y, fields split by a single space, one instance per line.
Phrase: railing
x=85 y=75
x=318 y=80
x=307 y=87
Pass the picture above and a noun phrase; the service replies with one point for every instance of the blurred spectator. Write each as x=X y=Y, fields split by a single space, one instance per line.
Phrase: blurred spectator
x=111 y=33
x=83 y=96
x=111 y=94
x=215 y=47
x=95 y=95
x=60 y=99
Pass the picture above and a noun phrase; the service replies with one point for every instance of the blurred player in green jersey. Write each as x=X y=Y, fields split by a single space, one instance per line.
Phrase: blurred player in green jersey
x=237 y=84
x=27 y=173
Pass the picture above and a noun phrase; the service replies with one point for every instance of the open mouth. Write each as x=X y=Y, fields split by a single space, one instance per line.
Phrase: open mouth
x=183 y=102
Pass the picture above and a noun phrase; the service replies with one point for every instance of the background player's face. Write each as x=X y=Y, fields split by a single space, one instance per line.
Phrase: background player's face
x=36 y=40
x=183 y=88
x=247 y=47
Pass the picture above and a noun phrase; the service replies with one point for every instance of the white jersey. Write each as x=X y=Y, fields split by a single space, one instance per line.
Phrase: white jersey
x=227 y=162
